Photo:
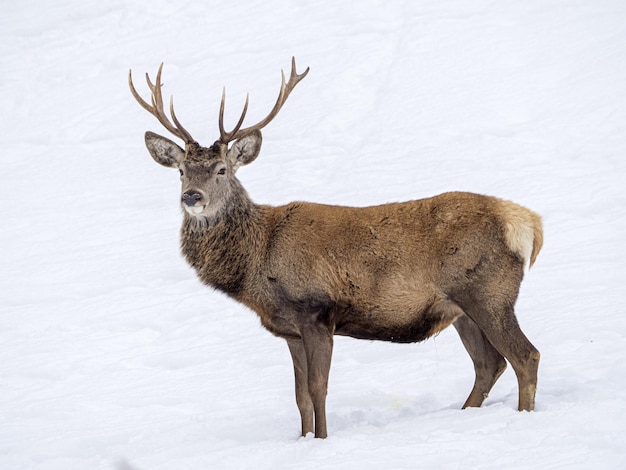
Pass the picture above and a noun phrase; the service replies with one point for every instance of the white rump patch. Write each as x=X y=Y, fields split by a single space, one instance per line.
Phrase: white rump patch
x=521 y=226
x=520 y=238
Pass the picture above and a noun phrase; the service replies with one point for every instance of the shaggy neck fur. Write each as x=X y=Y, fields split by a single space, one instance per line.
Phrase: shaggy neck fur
x=222 y=248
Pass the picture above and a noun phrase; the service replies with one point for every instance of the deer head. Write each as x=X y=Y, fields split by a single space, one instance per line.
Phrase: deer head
x=207 y=173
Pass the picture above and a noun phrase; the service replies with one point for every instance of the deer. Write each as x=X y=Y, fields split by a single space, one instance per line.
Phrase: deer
x=398 y=272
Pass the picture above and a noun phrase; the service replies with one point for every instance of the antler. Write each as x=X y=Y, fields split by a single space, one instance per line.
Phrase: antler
x=285 y=90
x=157 y=106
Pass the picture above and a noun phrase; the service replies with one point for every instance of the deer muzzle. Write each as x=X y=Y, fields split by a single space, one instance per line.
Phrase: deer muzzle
x=191 y=198
x=191 y=202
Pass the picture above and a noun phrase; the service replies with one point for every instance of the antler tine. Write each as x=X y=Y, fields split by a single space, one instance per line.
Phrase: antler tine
x=226 y=137
x=136 y=95
x=186 y=136
x=283 y=94
x=156 y=109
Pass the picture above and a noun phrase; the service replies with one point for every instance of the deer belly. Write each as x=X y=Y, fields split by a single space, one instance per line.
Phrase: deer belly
x=411 y=332
x=398 y=326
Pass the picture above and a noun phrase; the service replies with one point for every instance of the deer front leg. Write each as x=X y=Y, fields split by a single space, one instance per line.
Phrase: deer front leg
x=317 y=340
x=303 y=398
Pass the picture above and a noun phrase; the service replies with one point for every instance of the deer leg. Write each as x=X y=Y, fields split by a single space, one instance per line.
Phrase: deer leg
x=303 y=398
x=489 y=364
x=500 y=327
x=318 y=345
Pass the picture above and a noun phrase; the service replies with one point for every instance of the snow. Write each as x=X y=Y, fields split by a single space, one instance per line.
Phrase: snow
x=113 y=356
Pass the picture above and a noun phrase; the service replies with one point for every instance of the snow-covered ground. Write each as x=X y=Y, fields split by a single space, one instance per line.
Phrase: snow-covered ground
x=113 y=356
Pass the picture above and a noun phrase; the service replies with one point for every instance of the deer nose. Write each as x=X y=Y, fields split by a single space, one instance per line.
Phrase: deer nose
x=191 y=197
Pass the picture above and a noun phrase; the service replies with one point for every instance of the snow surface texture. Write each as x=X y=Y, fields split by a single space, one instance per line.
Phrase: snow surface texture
x=113 y=356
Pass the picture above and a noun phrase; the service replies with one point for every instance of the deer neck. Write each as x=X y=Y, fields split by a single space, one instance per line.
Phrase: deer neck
x=225 y=249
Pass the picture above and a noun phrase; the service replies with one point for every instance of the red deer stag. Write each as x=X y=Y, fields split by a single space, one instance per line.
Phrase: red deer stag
x=396 y=272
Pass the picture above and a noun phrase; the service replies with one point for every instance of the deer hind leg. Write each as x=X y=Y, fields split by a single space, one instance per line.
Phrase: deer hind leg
x=303 y=397
x=443 y=313
x=489 y=364
x=501 y=329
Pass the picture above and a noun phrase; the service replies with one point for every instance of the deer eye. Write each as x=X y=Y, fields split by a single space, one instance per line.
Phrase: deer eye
x=180 y=171
x=222 y=171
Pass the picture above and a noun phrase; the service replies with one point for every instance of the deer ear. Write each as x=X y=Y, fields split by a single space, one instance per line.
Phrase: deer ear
x=164 y=151
x=246 y=149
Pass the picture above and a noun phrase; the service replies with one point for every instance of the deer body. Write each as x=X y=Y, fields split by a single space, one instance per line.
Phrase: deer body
x=397 y=272
x=375 y=271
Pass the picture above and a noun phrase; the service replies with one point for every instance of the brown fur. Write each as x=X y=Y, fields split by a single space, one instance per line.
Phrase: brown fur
x=396 y=272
